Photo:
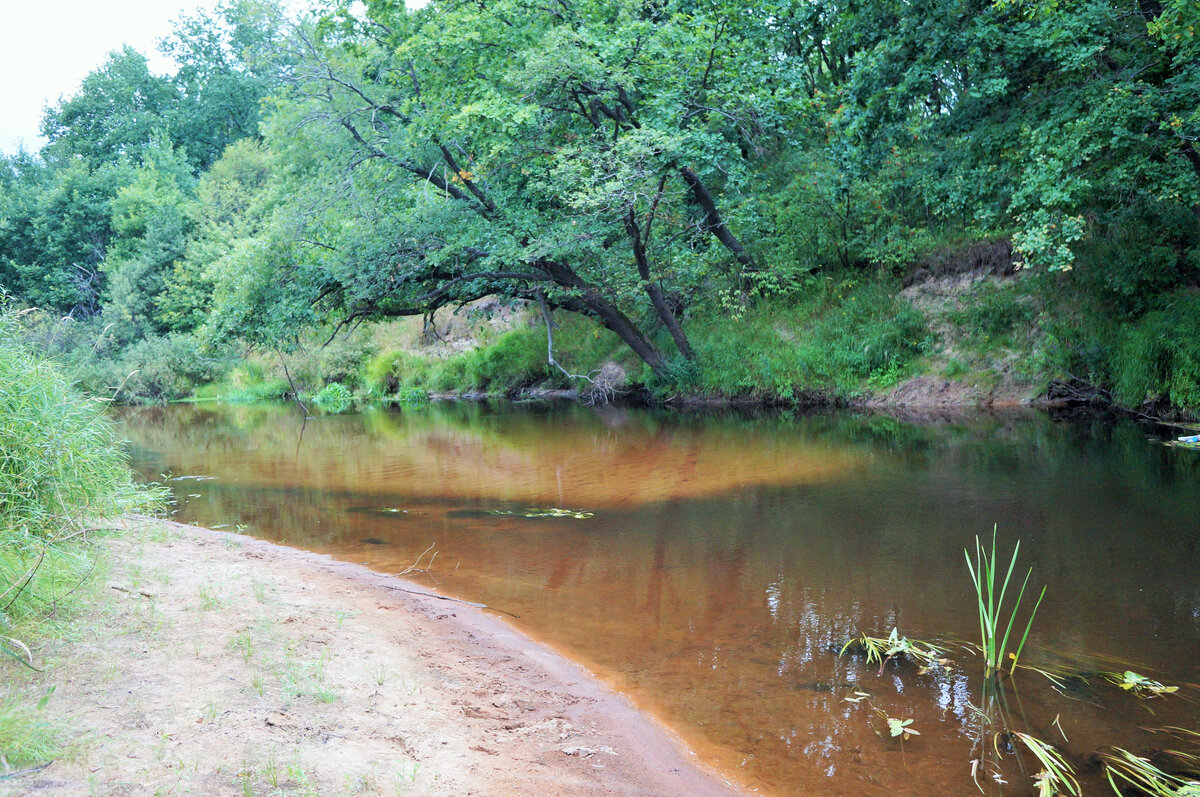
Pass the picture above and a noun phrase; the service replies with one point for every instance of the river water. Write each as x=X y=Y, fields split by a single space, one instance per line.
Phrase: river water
x=713 y=566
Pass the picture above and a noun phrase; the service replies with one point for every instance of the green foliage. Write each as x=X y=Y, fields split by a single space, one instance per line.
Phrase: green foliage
x=838 y=338
x=334 y=397
x=992 y=311
x=1159 y=355
x=393 y=371
x=61 y=460
x=515 y=359
x=116 y=112
x=412 y=396
x=634 y=167
x=61 y=467
x=881 y=650
x=990 y=593
x=155 y=369
x=250 y=382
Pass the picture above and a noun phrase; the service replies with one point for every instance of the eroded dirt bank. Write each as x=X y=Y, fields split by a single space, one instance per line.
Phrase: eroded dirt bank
x=220 y=664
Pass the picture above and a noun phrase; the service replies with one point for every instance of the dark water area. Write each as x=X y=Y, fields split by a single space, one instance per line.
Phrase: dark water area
x=712 y=566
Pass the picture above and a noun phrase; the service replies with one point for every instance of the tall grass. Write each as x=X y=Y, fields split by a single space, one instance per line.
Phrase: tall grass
x=61 y=467
x=994 y=631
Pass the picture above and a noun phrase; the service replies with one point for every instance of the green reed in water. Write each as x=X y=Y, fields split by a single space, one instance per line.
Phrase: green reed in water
x=993 y=630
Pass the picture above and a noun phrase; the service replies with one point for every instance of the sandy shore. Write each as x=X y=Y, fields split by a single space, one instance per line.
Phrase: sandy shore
x=215 y=663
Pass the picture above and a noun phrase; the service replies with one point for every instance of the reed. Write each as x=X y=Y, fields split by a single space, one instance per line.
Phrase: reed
x=994 y=631
x=1125 y=770
x=1057 y=776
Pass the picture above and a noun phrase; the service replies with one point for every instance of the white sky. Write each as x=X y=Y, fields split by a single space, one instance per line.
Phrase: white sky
x=48 y=46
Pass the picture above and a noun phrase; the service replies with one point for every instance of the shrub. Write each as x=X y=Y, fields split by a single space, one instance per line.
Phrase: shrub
x=516 y=359
x=61 y=458
x=1159 y=356
x=837 y=338
x=334 y=397
x=391 y=371
x=992 y=311
x=412 y=396
x=61 y=465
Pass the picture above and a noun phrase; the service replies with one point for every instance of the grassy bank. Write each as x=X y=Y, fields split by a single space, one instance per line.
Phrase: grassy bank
x=61 y=469
x=968 y=335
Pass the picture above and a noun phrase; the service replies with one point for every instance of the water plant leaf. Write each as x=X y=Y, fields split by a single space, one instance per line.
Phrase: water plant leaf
x=1139 y=684
x=899 y=727
x=880 y=650
x=546 y=512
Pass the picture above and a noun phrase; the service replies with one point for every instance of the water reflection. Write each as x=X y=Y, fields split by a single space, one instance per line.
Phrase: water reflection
x=727 y=559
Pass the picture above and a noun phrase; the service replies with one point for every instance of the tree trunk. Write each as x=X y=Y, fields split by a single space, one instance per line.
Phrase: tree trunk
x=591 y=302
x=653 y=290
x=713 y=222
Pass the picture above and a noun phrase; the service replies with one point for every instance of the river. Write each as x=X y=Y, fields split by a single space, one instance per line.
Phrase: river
x=712 y=566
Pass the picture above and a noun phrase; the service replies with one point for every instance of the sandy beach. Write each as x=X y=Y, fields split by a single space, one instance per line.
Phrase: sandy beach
x=215 y=663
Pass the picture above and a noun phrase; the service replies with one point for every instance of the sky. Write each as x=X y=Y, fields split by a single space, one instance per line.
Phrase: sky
x=48 y=46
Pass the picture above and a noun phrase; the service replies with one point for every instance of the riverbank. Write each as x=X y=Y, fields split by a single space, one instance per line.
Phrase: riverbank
x=216 y=663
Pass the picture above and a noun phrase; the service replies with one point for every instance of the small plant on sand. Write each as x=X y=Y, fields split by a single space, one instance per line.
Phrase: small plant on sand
x=994 y=631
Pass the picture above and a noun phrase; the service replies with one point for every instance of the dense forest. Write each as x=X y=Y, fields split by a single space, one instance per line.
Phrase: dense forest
x=773 y=200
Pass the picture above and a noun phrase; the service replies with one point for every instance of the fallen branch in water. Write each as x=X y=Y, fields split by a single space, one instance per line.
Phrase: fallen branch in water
x=448 y=598
x=415 y=568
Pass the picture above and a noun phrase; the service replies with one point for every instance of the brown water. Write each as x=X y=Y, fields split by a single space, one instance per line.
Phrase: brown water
x=727 y=559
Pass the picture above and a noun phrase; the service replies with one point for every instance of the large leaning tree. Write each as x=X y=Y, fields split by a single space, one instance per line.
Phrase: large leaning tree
x=590 y=156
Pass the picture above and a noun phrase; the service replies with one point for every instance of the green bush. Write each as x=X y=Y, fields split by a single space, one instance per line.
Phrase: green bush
x=516 y=359
x=839 y=338
x=392 y=371
x=61 y=468
x=1141 y=253
x=1159 y=356
x=154 y=369
x=334 y=397
x=991 y=312
x=61 y=459
x=249 y=383
x=412 y=396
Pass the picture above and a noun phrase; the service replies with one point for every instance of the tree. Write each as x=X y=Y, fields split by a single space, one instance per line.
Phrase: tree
x=54 y=230
x=1030 y=117
x=589 y=155
x=113 y=116
x=151 y=219
x=233 y=200
x=228 y=62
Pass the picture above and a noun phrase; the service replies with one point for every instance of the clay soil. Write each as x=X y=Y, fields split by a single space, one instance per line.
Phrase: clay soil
x=214 y=663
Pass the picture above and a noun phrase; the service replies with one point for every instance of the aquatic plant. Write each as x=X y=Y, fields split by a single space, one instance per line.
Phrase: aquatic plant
x=901 y=728
x=1057 y=776
x=552 y=511
x=1140 y=685
x=896 y=726
x=881 y=650
x=1138 y=772
x=993 y=630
